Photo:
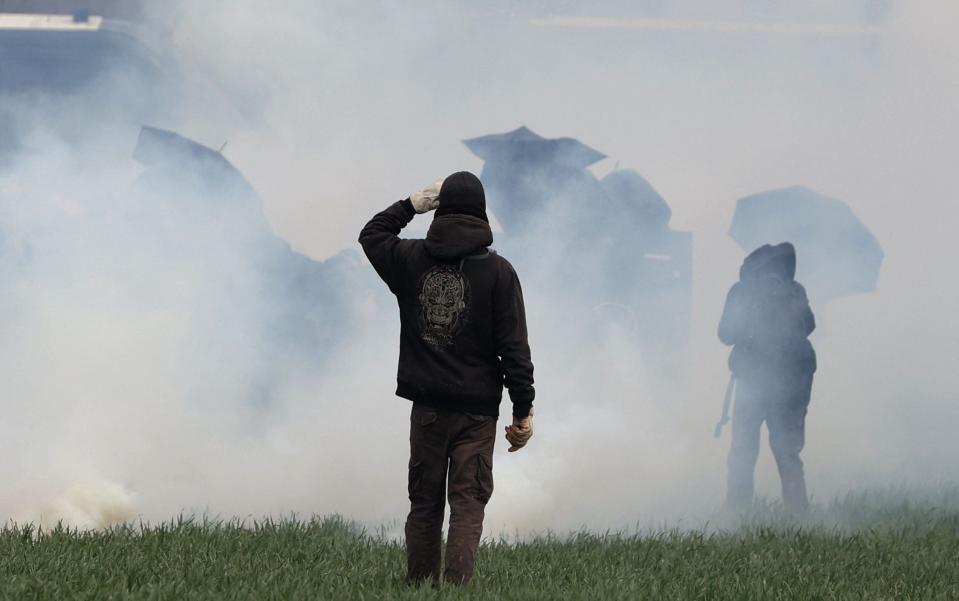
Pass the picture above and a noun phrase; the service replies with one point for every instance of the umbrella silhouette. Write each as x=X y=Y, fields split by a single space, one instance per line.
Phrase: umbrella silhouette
x=312 y=303
x=837 y=255
x=524 y=145
x=187 y=162
x=526 y=174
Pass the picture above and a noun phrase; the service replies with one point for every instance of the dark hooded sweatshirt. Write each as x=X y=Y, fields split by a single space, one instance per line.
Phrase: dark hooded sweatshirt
x=767 y=318
x=463 y=322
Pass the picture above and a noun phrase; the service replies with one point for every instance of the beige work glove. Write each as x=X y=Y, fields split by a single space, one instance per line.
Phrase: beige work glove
x=428 y=198
x=520 y=432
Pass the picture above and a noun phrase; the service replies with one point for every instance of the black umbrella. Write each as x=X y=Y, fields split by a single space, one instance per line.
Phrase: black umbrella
x=524 y=145
x=528 y=176
x=837 y=255
x=312 y=304
x=183 y=159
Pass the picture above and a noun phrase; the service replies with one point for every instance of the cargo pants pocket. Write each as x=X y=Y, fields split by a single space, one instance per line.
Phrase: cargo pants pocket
x=415 y=478
x=421 y=419
x=484 y=479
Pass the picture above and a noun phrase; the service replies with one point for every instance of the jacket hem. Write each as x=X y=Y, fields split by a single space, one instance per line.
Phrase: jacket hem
x=479 y=406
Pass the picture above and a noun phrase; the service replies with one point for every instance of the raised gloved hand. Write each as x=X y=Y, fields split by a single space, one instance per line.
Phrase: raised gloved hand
x=428 y=198
x=520 y=432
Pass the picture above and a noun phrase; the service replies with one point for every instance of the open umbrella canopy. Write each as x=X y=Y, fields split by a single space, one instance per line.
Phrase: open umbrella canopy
x=837 y=255
x=524 y=145
x=201 y=201
x=528 y=177
x=161 y=148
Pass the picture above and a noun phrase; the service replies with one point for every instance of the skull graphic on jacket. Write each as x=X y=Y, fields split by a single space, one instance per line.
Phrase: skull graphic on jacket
x=443 y=305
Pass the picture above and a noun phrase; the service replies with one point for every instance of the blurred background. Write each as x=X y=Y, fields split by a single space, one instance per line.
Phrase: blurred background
x=189 y=325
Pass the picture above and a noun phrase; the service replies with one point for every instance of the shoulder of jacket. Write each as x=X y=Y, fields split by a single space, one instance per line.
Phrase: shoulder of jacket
x=501 y=262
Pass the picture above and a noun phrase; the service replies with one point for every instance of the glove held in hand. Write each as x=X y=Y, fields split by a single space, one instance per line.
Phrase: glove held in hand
x=428 y=198
x=520 y=432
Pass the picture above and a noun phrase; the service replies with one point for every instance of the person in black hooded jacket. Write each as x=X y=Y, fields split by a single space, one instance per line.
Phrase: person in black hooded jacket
x=767 y=321
x=462 y=337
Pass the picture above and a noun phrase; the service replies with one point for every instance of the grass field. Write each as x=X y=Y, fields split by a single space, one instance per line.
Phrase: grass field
x=880 y=546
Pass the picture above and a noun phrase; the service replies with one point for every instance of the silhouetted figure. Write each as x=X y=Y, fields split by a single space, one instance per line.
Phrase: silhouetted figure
x=462 y=339
x=767 y=320
x=611 y=236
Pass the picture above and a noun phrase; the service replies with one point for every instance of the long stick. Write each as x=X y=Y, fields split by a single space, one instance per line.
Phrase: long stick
x=727 y=402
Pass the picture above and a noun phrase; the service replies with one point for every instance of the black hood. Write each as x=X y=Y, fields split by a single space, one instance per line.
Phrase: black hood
x=456 y=236
x=778 y=260
x=462 y=194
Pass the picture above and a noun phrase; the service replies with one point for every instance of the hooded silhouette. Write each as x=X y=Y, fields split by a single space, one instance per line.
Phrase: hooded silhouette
x=767 y=320
x=462 y=338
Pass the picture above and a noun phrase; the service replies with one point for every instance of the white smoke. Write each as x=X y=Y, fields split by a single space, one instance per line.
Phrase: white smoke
x=89 y=505
x=126 y=356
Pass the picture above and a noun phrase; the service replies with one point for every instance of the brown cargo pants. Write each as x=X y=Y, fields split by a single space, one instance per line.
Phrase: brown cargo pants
x=453 y=447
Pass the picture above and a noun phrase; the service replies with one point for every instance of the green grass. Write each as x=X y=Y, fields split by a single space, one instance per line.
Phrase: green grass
x=863 y=547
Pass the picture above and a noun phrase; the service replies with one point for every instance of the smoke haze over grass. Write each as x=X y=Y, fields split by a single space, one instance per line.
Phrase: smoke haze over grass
x=127 y=361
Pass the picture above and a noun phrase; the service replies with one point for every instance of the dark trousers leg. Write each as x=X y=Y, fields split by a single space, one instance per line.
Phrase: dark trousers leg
x=787 y=436
x=427 y=492
x=470 y=488
x=747 y=420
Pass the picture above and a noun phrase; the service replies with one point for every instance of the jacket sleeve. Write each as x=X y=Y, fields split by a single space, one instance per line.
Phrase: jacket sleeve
x=381 y=242
x=512 y=340
x=733 y=321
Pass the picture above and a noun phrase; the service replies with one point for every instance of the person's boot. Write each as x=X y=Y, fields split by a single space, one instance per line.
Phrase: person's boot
x=794 y=495
x=739 y=490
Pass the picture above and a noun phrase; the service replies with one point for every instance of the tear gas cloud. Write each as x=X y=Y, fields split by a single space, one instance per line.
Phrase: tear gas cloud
x=138 y=350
